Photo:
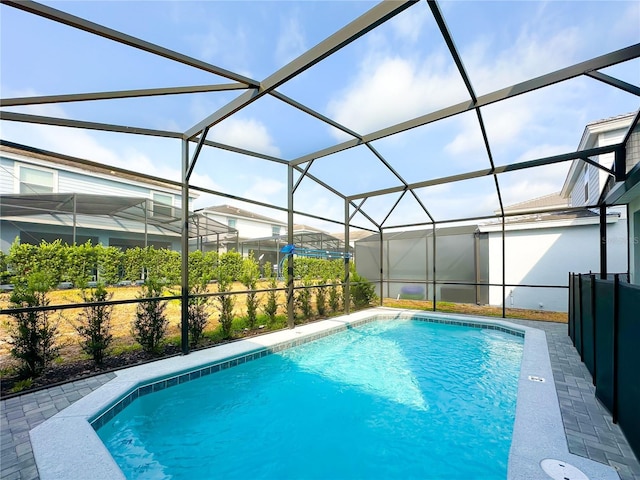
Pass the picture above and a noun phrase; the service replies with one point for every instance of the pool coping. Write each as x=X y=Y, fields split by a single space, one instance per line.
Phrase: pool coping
x=67 y=446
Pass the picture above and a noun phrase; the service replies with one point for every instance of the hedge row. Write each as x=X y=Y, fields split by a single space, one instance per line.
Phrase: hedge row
x=81 y=264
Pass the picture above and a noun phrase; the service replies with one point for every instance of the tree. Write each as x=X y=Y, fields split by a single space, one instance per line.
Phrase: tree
x=150 y=324
x=271 y=307
x=198 y=312
x=249 y=277
x=225 y=306
x=94 y=324
x=33 y=334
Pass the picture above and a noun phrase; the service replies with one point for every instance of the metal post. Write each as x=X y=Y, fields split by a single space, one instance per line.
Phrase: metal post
x=381 y=269
x=593 y=328
x=581 y=318
x=476 y=253
x=146 y=220
x=346 y=290
x=184 y=301
x=75 y=209
x=504 y=273
x=603 y=242
x=636 y=234
x=434 y=265
x=570 y=307
x=616 y=334
x=290 y=304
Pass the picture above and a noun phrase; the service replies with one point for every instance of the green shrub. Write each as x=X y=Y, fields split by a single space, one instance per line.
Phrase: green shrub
x=150 y=324
x=249 y=278
x=225 y=306
x=133 y=262
x=267 y=270
x=303 y=299
x=5 y=275
x=230 y=265
x=271 y=306
x=109 y=264
x=321 y=298
x=198 y=312
x=82 y=262
x=32 y=333
x=94 y=324
x=362 y=291
x=334 y=296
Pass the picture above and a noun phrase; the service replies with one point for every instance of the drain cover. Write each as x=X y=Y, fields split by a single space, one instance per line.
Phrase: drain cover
x=559 y=470
x=535 y=378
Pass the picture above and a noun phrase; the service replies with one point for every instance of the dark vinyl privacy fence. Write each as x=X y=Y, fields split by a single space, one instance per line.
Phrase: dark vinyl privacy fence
x=604 y=325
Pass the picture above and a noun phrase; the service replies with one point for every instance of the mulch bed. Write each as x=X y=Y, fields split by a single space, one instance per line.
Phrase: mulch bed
x=70 y=371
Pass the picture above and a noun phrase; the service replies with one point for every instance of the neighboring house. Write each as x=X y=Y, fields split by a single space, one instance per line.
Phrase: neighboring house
x=585 y=183
x=248 y=224
x=544 y=240
x=628 y=193
x=542 y=248
x=48 y=196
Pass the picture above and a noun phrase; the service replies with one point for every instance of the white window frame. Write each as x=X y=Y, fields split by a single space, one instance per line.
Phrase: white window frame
x=162 y=204
x=273 y=230
x=18 y=168
x=230 y=221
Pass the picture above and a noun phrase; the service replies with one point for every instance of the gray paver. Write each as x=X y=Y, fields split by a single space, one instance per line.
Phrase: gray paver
x=590 y=432
x=588 y=425
x=22 y=413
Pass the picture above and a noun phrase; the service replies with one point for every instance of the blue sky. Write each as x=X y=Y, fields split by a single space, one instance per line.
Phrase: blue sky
x=399 y=71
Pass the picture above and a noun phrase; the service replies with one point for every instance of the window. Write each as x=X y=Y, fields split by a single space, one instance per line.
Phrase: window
x=36 y=180
x=275 y=230
x=231 y=222
x=162 y=205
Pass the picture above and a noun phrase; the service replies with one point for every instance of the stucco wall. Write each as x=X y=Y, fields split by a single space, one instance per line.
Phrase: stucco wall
x=546 y=256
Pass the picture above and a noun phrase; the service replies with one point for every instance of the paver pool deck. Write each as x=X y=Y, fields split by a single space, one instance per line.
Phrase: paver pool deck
x=589 y=430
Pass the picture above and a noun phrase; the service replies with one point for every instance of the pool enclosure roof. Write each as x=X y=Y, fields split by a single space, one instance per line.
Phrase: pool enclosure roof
x=434 y=131
x=135 y=209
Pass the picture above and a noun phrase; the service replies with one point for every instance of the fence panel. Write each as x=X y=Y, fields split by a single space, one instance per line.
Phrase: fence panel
x=586 y=332
x=604 y=292
x=628 y=381
x=577 y=326
x=570 y=309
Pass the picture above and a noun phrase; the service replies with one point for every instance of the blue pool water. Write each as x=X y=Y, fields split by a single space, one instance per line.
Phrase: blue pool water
x=389 y=399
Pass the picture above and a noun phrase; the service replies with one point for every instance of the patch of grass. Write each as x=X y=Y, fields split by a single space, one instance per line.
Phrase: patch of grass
x=483 y=310
x=22 y=385
x=125 y=348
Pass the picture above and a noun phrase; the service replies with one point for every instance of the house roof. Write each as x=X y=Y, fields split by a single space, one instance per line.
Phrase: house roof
x=589 y=136
x=231 y=211
x=553 y=200
x=89 y=166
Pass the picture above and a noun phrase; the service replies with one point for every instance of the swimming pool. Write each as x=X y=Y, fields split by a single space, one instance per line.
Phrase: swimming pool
x=388 y=399
x=67 y=445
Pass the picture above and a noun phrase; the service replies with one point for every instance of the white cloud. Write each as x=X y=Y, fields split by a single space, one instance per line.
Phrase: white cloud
x=392 y=89
x=291 y=42
x=249 y=133
x=528 y=56
x=224 y=45
x=264 y=189
x=410 y=23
